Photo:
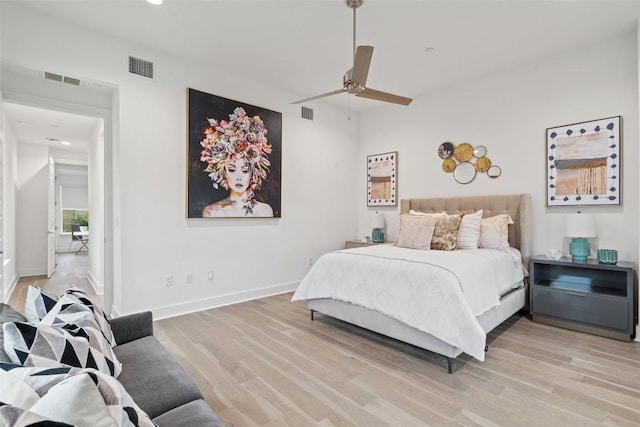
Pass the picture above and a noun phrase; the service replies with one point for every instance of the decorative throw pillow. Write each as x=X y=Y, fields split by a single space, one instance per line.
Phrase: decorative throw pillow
x=12 y=416
x=69 y=310
x=45 y=346
x=469 y=232
x=39 y=379
x=415 y=231
x=7 y=314
x=91 y=398
x=494 y=232
x=38 y=303
x=102 y=319
x=445 y=233
x=14 y=391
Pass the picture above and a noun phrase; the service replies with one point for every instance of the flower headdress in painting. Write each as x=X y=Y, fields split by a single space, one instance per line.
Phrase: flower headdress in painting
x=242 y=137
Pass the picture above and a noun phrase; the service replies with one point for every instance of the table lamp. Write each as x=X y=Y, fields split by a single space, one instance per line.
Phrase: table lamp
x=580 y=227
x=377 y=234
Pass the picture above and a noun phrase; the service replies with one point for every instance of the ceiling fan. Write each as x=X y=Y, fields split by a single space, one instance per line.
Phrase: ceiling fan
x=355 y=79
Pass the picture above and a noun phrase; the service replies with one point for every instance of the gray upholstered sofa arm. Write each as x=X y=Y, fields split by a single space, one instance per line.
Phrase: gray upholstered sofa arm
x=132 y=327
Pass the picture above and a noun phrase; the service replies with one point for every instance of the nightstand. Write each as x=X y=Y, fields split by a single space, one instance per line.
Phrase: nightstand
x=359 y=244
x=587 y=297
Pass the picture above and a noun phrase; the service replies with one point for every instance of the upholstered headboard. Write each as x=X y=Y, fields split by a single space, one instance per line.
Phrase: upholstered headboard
x=518 y=206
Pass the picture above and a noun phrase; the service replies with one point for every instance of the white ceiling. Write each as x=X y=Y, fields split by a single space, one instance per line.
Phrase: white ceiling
x=33 y=125
x=304 y=47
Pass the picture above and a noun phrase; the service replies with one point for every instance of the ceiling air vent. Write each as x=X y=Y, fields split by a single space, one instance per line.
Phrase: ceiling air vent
x=307 y=113
x=62 y=79
x=140 y=67
x=52 y=76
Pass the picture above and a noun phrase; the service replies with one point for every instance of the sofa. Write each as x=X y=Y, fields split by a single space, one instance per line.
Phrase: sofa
x=140 y=384
x=155 y=381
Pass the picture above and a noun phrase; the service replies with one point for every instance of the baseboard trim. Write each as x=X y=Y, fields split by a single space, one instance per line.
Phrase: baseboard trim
x=220 y=301
x=97 y=287
x=12 y=287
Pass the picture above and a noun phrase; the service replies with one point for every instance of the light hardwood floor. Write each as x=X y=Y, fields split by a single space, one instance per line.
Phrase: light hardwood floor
x=265 y=363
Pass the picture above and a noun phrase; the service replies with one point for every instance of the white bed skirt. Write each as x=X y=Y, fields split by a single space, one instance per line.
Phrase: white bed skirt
x=385 y=325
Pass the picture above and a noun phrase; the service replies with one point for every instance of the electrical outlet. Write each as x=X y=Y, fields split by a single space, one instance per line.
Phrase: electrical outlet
x=210 y=275
x=188 y=278
x=168 y=280
x=309 y=261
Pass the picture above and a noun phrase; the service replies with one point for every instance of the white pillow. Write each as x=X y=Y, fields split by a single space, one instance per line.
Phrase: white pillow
x=38 y=303
x=416 y=231
x=494 y=232
x=469 y=232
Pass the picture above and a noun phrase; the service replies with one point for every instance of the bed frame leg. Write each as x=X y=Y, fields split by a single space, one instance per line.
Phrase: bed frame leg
x=450 y=365
x=311 y=314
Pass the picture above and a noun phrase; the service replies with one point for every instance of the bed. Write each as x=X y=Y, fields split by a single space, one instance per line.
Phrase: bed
x=431 y=303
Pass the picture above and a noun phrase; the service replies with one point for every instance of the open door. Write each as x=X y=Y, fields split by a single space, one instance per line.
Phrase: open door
x=51 y=220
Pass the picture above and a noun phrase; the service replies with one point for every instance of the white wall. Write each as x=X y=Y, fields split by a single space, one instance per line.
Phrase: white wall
x=96 y=209
x=10 y=170
x=508 y=113
x=32 y=190
x=250 y=257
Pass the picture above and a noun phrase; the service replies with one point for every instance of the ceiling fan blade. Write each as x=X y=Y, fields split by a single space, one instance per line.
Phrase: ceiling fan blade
x=335 y=92
x=361 y=63
x=384 y=96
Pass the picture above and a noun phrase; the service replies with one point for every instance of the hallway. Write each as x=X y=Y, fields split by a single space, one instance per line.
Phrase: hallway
x=71 y=270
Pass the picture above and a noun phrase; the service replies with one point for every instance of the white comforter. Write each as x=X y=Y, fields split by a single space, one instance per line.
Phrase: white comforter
x=438 y=292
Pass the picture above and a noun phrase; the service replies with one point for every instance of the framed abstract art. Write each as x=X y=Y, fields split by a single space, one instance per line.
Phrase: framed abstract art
x=382 y=188
x=583 y=163
x=234 y=153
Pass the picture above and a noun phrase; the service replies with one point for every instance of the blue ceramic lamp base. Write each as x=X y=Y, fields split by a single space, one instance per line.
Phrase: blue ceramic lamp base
x=579 y=249
x=377 y=235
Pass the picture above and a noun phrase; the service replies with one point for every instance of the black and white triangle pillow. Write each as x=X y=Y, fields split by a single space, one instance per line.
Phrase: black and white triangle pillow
x=41 y=345
x=38 y=303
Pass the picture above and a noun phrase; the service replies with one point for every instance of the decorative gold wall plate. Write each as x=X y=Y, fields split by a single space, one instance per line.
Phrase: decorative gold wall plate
x=483 y=164
x=448 y=165
x=463 y=152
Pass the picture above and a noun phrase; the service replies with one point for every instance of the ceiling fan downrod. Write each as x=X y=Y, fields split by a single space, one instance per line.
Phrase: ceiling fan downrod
x=354 y=4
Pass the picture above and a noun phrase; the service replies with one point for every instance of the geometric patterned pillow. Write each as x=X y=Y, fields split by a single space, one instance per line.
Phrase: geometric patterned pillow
x=91 y=398
x=7 y=314
x=69 y=311
x=38 y=303
x=101 y=317
x=45 y=346
x=15 y=392
x=494 y=232
x=11 y=416
x=39 y=379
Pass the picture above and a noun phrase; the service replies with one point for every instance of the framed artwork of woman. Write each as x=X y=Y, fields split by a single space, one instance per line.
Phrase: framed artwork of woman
x=234 y=158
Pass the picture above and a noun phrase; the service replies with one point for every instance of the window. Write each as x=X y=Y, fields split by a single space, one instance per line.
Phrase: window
x=74 y=216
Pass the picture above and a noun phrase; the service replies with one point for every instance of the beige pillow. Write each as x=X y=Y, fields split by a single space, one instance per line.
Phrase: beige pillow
x=469 y=232
x=494 y=232
x=415 y=231
x=445 y=233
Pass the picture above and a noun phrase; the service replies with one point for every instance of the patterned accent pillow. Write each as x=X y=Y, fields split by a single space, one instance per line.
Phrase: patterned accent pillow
x=76 y=309
x=415 y=231
x=38 y=303
x=46 y=346
x=445 y=234
x=11 y=416
x=91 y=398
x=469 y=232
x=39 y=379
x=7 y=314
x=494 y=232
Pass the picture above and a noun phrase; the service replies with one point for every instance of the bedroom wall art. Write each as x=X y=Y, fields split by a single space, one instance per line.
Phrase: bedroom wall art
x=234 y=155
x=583 y=163
x=464 y=161
x=382 y=189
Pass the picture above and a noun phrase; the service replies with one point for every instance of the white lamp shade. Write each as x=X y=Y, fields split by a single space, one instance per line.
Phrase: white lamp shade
x=378 y=220
x=580 y=225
